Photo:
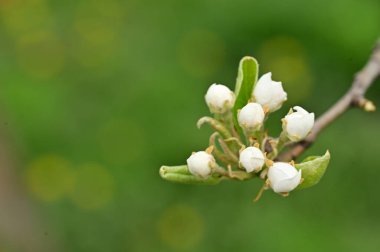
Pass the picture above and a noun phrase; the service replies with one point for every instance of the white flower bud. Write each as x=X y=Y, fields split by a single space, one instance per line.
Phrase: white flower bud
x=251 y=117
x=252 y=159
x=268 y=93
x=200 y=164
x=219 y=98
x=298 y=125
x=283 y=177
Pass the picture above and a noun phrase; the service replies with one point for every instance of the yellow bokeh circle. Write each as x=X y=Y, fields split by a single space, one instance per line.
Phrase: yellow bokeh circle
x=41 y=54
x=49 y=177
x=180 y=227
x=94 y=187
x=96 y=27
x=285 y=57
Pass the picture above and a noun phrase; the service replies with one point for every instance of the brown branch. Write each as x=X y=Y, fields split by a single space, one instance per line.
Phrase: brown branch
x=353 y=98
x=21 y=227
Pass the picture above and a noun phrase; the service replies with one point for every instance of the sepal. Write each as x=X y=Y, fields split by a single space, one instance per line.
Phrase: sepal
x=313 y=168
x=181 y=174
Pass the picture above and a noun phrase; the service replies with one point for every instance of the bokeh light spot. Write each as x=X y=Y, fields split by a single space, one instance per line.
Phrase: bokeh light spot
x=92 y=55
x=41 y=54
x=96 y=28
x=121 y=142
x=201 y=53
x=49 y=178
x=94 y=187
x=25 y=16
x=180 y=227
x=285 y=58
x=98 y=21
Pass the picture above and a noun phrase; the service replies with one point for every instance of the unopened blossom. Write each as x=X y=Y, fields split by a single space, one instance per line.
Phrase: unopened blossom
x=297 y=125
x=201 y=163
x=251 y=159
x=219 y=98
x=283 y=177
x=269 y=93
x=251 y=117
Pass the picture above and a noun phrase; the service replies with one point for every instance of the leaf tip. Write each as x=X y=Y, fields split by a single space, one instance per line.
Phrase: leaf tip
x=248 y=58
x=162 y=171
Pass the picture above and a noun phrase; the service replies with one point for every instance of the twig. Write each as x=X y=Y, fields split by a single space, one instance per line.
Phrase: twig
x=20 y=225
x=353 y=98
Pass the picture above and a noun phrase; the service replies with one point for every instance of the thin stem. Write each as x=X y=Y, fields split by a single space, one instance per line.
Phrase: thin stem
x=216 y=152
x=227 y=151
x=260 y=193
x=234 y=139
x=353 y=98
x=216 y=125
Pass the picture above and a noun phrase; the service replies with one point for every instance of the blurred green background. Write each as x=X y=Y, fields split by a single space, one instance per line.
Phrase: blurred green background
x=96 y=95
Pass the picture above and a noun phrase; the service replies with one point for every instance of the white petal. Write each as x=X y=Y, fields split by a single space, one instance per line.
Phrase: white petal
x=200 y=163
x=219 y=98
x=298 y=124
x=269 y=93
x=252 y=159
x=287 y=185
x=300 y=110
x=283 y=177
x=251 y=116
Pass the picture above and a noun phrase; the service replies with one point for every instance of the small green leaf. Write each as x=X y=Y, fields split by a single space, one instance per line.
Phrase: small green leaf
x=245 y=82
x=181 y=174
x=313 y=169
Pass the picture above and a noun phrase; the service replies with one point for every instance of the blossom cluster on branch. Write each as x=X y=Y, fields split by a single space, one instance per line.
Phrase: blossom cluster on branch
x=240 y=148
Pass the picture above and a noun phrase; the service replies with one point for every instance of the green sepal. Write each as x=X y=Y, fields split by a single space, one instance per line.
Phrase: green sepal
x=313 y=168
x=181 y=174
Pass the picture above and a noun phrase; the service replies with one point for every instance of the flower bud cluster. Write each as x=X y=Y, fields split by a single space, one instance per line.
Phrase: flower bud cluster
x=250 y=150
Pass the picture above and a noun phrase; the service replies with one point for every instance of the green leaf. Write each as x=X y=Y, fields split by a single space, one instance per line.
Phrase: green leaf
x=245 y=82
x=181 y=174
x=313 y=169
